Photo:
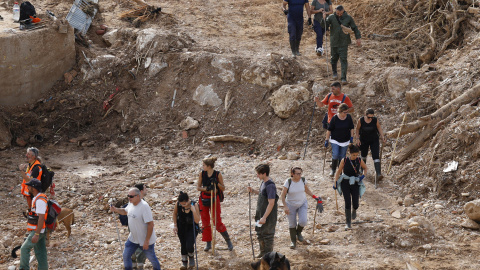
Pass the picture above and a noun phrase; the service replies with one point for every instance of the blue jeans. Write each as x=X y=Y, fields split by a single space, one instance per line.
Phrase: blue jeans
x=319 y=31
x=131 y=247
x=338 y=152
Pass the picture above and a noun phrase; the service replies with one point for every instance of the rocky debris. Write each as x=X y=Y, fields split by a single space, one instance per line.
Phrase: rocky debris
x=205 y=95
x=324 y=242
x=397 y=214
x=293 y=155
x=5 y=136
x=157 y=65
x=153 y=40
x=424 y=226
x=226 y=69
x=262 y=76
x=189 y=123
x=413 y=97
x=470 y=224
x=408 y=201
x=399 y=80
x=472 y=210
x=287 y=100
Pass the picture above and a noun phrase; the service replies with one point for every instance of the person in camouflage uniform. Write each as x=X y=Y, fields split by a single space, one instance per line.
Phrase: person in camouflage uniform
x=341 y=25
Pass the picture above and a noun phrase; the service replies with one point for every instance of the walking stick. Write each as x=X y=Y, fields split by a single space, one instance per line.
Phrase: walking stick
x=324 y=160
x=250 y=219
x=326 y=44
x=336 y=201
x=381 y=153
x=309 y=129
x=195 y=239
x=314 y=217
x=395 y=146
x=212 y=220
x=118 y=232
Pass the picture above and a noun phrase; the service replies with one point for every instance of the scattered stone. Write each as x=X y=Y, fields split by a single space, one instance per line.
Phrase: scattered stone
x=472 y=209
x=293 y=155
x=282 y=157
x=20 y=142
x=408 y=201
x=439 y=206
x=189 y=123
x=399 y=201
x=397 y=214
x=226 y=69
x=333 y=228
x=424 y=227
x=287 y=100
x=466 y=194
x=204 y=95
x=325 y=242
x=413 y=224
x=470 y=224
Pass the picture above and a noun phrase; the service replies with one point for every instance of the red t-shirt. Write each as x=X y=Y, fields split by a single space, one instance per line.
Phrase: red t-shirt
x=334 y=102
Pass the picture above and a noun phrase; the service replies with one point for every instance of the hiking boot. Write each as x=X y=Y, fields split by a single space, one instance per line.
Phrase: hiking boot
x=262 y=249
x=292 y=47
x=293 y=238
x=299 y=234
x=354 y=213
x=335 y=74
x=208 y=246
x=378 y=170
x=227 y=239
x=348 y=219
x=184 y=262
x=334 y=167
x=191 y=261
x=297 y=47
x=344 y=81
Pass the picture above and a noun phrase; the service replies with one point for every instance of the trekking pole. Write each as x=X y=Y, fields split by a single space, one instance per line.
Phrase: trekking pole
x=336 y=201
x=326 y=44
x=195 y=240
x=395 y=146
x=381 y=153
x=118 y=232
x=309 y=129
x=214 y=211
x=314 y=217
x=324 y=160
x=250 y=219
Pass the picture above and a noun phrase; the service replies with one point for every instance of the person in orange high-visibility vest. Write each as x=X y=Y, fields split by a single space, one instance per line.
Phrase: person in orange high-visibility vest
x=36 y=228
x=30 y=171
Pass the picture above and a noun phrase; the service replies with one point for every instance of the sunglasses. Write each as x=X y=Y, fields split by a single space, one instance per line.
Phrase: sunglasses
x=370 y=117
x=131 y=196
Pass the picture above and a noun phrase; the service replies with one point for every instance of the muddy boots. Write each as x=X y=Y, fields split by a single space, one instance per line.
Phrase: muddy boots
x=184 y=262
x=334 y=70
x=208 y=246
x=297 y=47
x=348 y=217
x=191 y=261
x=364 y=161
x=227 y=239
x=293 y=238
x=334 y=167
x=262 y=249
x=354 y=213
x=293 y=48
x=299 y=233
x=378 y=171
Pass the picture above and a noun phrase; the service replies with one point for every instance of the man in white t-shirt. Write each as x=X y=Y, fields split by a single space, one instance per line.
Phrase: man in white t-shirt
x=142 y=233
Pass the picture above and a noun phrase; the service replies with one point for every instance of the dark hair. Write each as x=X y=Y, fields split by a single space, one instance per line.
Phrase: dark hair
x=343 y=107
x=182 y=197
x=336 y=84
x=353 y=148
x=339 y=8
x=140 y=186
x=210 y=162
x=263 y=168
x=369 y=111
x=292 y=170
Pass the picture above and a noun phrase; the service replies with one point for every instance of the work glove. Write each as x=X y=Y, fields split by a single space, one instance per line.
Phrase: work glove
x=285 y=11
x=319 y=207
x=351 y=139
x=210 y=188
x=361 y=177
x=309 y=21
x=326 y=143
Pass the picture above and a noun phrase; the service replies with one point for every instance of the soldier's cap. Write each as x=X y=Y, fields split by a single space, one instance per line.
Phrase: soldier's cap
x=35 y=183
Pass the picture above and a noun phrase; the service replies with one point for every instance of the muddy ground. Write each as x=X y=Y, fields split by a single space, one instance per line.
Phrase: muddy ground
x=240 y=49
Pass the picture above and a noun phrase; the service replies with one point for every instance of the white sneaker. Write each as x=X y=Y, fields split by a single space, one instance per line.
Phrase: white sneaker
x=319 y=51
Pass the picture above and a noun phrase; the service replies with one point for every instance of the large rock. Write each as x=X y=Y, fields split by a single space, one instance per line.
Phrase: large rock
x=189 y=123
x=287 y=100
x=472 y=209
x=5 y=136
x=413 y=97
x=261 y=76
x=204 y=95
x=399 y=80
x=226 y=69
x=470 y=224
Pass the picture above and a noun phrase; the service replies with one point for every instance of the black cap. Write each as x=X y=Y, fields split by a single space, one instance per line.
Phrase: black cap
x=35 y=183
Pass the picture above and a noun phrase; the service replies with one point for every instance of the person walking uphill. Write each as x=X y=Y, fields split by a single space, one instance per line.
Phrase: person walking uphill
x=35 y=228
x=341 y=25
x=340 y=135
x=294 y=15
x=367 y=135
x=350 y=183
x=266 y=213
x=333 y=100
x=295 y=204
x=186 y=217
x=30 y=171
x=211 y=180
x=321 y=9
x=140 y=224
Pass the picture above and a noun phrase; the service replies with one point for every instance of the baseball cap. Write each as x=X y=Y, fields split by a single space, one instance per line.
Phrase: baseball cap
x=35 y=183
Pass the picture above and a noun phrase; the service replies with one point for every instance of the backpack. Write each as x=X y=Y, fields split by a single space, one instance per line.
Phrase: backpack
x=325 y=118
x=53 y=210
x=47 y=177
x=220 y=194
x=26 y=10
x=290 y=182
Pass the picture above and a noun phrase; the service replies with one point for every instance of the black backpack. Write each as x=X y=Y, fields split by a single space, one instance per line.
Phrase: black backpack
x=26 y=10
x=325 y=118
x=47 y=177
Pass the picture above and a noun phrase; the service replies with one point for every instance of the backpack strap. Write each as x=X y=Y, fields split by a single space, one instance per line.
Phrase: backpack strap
x=344 y=97
x=328 y=97
x=290 y=182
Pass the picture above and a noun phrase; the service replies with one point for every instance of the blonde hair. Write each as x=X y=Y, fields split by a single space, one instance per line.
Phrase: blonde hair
x=210 y=162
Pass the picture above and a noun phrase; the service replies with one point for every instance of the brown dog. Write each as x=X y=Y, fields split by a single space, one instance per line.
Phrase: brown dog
x=67 y=217
x=272 y=261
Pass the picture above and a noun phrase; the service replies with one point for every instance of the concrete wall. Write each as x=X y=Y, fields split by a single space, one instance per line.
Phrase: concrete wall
x=31 y=62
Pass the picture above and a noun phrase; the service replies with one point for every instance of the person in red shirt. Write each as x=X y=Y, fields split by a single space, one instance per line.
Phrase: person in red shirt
x=333 y=100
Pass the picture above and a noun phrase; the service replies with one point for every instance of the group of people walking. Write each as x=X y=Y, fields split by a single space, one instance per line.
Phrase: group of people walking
x=339 y=23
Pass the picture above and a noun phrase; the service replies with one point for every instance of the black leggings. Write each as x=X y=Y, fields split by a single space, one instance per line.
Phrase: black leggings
x=374 y=147
x=350 y=194
x=187 y=239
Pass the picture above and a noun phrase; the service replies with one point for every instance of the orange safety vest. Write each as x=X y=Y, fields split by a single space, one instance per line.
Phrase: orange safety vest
x=31 y=226
x=24 y=190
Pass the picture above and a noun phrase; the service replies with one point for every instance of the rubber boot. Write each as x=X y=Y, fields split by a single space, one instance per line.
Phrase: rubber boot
x=299 y=233
x=354 y=213
x=378 y=170
x=268 y=245
x=292 y=47
x=348 y=218
x=208 y=246
x=297 y=47
x=191 y=261
x=227 y=239
x=293 y=238
x=364 y=161
x=262 y=249
x=334 y=71
x=334 y=167
x=184 y=262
